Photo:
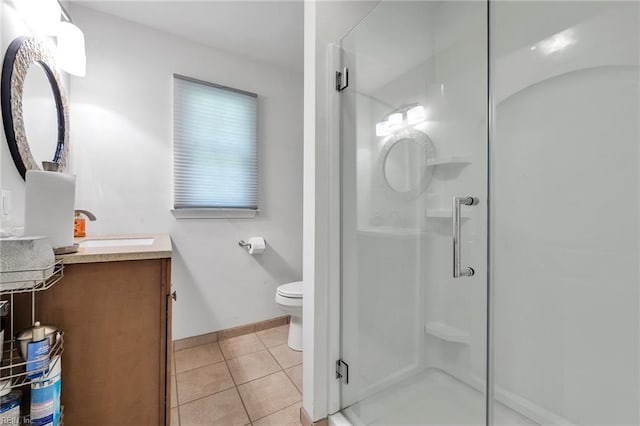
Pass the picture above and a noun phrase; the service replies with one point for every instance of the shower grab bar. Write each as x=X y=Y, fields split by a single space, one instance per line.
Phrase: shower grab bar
x=458 y=271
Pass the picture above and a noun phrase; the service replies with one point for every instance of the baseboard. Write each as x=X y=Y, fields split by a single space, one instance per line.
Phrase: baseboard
x=305 y=420
x=228 y=333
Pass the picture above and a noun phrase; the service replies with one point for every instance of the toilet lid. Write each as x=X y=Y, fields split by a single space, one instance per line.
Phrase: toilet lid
x=293 y=290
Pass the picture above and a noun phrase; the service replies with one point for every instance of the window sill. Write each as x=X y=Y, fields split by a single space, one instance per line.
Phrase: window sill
x=204 y=213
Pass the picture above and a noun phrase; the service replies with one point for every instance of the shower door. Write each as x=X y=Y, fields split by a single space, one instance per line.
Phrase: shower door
x=414 y=214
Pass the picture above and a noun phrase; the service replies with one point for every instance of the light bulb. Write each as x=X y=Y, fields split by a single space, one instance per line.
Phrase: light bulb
x=395 y=121
x=42 y=16
x=71 y=50
x=416 y=115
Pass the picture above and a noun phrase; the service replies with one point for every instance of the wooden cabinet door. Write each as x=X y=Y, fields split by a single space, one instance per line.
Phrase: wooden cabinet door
x=114 y=315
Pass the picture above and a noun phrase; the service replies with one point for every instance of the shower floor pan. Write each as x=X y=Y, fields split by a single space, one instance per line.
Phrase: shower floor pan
x=429 y=398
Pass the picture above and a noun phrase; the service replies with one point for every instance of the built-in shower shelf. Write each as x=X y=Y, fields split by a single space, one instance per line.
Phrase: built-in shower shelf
x=451 y=161
x=446 y=332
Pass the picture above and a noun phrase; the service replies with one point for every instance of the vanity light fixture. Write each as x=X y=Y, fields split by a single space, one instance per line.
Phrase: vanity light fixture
x=416 y=115
x=71 y=55
x=41 y=16
x=50 y=18
x=382 y=128
x=392 y=123
x=395 y=121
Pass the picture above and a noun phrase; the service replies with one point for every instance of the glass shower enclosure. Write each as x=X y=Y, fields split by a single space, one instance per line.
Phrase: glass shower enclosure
x=490 y=212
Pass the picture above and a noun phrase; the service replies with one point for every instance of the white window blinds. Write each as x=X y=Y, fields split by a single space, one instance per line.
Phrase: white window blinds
x=215 y=146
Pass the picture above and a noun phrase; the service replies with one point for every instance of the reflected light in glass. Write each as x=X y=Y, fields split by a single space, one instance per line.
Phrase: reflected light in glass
x=416 y=115
x=71 y=50
x=382 y=128
x=557 y=42
x=395 y=121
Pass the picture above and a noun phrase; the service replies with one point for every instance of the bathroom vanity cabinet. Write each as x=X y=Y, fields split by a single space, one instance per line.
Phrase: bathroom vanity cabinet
x=115 y=308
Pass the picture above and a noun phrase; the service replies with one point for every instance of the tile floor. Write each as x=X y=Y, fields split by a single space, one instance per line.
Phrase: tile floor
x=251 y=379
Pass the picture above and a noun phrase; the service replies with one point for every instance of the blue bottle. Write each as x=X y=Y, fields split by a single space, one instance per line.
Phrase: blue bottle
x=45 y=397
x=37 y=352
x=9 y=405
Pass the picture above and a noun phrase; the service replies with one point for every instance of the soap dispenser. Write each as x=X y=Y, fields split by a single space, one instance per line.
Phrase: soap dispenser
x=79 y=223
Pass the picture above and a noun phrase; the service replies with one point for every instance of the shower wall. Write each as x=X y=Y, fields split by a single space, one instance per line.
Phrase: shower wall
x=565 y=210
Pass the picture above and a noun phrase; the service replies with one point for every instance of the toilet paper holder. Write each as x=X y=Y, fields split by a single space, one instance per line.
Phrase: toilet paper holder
x=244 y=244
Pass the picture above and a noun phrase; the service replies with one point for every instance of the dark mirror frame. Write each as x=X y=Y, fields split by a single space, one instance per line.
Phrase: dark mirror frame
x=22 y=53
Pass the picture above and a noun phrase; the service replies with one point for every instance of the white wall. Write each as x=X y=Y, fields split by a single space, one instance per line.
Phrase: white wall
x=565 y=214
x=121 y=118
x=11 y=27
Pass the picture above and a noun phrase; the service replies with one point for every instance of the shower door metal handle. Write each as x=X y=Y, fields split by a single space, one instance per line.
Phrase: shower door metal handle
x=458 y=270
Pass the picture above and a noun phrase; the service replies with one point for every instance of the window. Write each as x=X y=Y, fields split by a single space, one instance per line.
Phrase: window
x=215 y=148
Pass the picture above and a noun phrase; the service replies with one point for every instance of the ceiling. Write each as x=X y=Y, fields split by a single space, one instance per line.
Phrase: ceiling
x=266 y=31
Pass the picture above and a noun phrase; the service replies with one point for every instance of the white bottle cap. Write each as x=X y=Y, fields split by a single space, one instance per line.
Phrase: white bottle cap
x=37 y=332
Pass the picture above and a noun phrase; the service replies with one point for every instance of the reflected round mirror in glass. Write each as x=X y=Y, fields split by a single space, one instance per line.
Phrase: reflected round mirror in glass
x=404 y=164
x=40 y=114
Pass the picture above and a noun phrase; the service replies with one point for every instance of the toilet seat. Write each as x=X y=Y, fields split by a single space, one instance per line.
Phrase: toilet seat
x=291 y=290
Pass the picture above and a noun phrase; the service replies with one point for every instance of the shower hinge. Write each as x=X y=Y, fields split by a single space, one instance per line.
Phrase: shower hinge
x=342 y=79
x=342 y=371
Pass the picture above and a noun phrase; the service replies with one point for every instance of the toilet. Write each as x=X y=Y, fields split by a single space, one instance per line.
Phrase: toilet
x=289 y=298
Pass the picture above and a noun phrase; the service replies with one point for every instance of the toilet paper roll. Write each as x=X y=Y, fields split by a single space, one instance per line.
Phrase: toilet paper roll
x=257 y=245
x=49 y=204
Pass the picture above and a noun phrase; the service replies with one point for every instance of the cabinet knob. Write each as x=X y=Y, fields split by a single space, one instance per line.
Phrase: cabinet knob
x=174 y=296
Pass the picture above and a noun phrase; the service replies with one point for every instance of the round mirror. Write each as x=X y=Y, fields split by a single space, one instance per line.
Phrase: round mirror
x=35 y=114
x=404 y=164
x=39 y=114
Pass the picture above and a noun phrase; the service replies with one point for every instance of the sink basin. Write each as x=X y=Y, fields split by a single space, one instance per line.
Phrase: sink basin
x=117 y=242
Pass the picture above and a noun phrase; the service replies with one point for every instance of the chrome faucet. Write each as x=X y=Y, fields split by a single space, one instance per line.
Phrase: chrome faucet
x=87 y=213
